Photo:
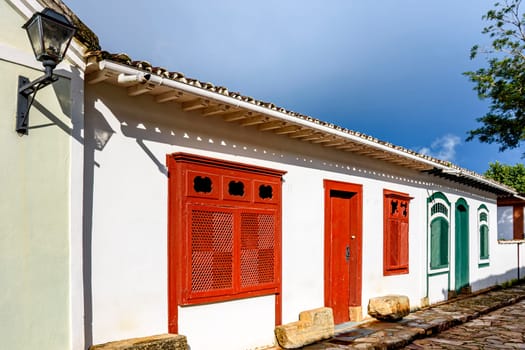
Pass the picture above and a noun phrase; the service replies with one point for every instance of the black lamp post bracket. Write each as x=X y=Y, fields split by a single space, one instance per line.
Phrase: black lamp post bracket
x=25 y=89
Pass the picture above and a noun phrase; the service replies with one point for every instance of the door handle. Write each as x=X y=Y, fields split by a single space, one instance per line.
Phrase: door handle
x=347 y=253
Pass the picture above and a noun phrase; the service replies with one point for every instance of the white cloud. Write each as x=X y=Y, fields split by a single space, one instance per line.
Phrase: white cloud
x=443 y=148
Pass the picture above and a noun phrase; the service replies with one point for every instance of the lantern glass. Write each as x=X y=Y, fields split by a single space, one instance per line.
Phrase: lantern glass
x=50 y=34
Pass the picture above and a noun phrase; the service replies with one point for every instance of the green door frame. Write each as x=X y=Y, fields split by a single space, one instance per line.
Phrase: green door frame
x=462 y=258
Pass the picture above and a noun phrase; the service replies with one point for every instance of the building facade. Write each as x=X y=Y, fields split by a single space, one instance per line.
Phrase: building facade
x=268 y=213
x=146 y=202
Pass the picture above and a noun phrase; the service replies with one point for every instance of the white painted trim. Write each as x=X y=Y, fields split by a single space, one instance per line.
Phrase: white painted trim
x=27 y=7
x=478 y=233
x=446 y=269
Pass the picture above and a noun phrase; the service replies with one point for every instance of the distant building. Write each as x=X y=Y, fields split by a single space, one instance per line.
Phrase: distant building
x=145 y=202
x=511 y=218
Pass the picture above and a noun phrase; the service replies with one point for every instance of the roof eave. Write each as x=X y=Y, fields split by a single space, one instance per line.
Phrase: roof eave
x=267 y=118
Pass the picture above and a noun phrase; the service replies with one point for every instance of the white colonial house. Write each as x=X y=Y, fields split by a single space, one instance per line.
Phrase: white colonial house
x=187 y=208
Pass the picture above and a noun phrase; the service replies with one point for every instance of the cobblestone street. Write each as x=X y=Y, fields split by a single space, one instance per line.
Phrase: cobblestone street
x=489 y=320
x=500 y=329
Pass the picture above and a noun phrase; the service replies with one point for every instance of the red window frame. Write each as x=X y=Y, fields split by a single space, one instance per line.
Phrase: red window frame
x=396 y=209
x=224 y=232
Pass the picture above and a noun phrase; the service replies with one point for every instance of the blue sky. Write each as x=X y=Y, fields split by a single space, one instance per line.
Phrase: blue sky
x=390 y=69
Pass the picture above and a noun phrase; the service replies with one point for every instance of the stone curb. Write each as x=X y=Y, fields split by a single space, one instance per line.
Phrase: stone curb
x=425 y=322
x=156 y=342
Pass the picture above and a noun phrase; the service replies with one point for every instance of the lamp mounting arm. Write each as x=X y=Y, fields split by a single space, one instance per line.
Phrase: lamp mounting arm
x=25 y=89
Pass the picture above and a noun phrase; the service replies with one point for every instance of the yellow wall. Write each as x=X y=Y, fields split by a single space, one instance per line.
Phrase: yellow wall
x=34 y=202
x=11 y=23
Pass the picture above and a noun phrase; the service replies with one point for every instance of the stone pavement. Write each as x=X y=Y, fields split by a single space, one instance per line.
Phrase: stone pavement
x=500 y=329
x=424 y=323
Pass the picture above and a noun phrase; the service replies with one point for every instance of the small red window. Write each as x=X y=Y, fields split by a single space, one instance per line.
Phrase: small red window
x=395 y=232
x=224 y=231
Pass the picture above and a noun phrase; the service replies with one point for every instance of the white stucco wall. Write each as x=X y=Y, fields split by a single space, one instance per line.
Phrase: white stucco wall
x=127 y=140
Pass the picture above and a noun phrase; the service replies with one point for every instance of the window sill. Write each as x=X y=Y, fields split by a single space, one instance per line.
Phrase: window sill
x=438 y=270
x=198 y=300
x=395 y=272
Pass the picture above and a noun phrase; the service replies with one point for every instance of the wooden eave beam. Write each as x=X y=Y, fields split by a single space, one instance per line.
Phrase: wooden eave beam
x=215 y=110
x=234 y=116
x=301 y=133
x=168 y=96
x=400 y=161
x=258 y=119
x=347 y=146
x=382 y=157
x=194 y=104
x=97 y=77
x=323 y=139
x=313 y=137
x=140 y=89
x=366 y=152
x=287 y=130
x=335 y=142
x=510 y=201
x=271 y=125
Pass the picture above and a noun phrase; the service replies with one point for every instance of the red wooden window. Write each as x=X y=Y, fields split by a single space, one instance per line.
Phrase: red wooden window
x=395 y=232
x=224 y=231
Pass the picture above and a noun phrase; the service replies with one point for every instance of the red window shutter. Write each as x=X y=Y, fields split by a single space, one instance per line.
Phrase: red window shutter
x=395 y=234
x=403 y=249
x=257 y=249
x=393 y=243
x=212 y=250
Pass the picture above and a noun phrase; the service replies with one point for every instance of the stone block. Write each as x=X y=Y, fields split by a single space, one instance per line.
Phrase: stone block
x=355 y=313
x=156 y=342
x=425 y=301
x=313 y=325
x=389 y=307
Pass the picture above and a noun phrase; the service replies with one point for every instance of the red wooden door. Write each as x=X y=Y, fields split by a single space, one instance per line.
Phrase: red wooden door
x=342 y=248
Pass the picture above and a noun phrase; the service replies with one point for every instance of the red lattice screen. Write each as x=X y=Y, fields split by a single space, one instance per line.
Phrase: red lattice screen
x=212 y=250
x=257 y=249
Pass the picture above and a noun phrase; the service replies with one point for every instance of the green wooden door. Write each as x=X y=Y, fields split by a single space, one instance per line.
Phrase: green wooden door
x=462 y=246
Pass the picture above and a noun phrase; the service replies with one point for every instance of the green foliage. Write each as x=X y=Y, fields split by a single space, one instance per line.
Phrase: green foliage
x=503 y=82
x=513 y=176
x=510 y=283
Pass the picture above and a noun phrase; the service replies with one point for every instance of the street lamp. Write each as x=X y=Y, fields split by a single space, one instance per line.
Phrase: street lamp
x=50 y=34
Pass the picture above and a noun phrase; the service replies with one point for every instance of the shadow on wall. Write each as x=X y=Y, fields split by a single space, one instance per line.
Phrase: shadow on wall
x=62 y=88
x=488 y=282
x=502 y=278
